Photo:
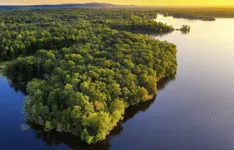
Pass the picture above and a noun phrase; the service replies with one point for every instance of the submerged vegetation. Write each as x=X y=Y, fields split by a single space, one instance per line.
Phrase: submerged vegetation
x=82 y=66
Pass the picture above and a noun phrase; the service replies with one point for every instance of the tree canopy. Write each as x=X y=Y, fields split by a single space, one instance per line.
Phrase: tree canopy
x=24 y=32
x=83 y=67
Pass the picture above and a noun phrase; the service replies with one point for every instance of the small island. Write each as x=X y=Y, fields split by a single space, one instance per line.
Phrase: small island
x=185 y=29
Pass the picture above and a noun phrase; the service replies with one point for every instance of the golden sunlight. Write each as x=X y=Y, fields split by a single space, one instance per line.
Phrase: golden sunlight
x=135 y=2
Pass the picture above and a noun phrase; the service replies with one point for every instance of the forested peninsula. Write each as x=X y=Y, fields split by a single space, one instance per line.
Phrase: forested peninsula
x=84 y=67
x=196 y=13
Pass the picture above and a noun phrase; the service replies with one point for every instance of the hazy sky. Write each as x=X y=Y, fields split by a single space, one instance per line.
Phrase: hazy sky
x=136 y=2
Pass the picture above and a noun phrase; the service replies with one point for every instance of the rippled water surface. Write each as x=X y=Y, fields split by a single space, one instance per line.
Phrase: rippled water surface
x=194 y=111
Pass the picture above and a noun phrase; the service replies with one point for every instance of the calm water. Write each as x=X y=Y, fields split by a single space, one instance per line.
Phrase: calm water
x=194 y=111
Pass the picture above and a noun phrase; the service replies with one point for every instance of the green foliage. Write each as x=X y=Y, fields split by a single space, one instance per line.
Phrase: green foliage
x=185 y=29
x=24 y=32
x=89 y=73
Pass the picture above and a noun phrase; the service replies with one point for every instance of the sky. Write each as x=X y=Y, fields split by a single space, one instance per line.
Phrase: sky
x=135 y=2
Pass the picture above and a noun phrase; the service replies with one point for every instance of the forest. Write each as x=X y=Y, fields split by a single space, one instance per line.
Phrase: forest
x=195 y=13
x=24 y=32
x=84 y=67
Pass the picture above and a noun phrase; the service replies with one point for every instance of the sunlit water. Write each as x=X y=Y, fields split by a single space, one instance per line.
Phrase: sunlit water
x=195 y=111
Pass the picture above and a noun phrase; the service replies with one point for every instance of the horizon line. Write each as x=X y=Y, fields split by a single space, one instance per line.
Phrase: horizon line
x=160 y=5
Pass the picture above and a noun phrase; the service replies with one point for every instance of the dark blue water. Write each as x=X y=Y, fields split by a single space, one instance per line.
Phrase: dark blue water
x=11 y=116
x=194 y=111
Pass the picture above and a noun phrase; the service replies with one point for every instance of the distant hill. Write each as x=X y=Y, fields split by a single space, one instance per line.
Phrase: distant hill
x=85 y=5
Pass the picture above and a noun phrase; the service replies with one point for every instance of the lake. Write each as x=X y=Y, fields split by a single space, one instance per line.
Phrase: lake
x=193 y=111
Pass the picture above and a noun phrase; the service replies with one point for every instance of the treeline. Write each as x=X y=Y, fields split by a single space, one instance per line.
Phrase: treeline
x=82 y=73
x=189 y=16
x=197 y=13
x=22 y=33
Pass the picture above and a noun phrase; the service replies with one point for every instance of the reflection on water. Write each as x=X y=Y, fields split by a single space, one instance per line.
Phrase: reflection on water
x=18 y=87
x=194 y=112
x=185 y=31
x=54 y=138
x=1 y=69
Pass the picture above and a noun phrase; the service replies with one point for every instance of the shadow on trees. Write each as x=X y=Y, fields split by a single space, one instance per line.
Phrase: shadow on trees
x=49 y=44
x=143 y=30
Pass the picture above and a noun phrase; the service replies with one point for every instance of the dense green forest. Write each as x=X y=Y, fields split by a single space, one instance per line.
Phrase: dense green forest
x=83 y=67
x=24 y=32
